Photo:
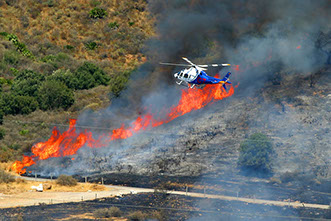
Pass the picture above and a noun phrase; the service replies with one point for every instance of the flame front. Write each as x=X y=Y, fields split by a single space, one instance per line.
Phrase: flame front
x=69 y=142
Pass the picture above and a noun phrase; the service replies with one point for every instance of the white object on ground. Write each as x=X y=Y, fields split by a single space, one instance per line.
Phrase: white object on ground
x=38 y=188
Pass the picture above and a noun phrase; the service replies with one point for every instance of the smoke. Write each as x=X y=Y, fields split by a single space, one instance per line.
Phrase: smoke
x=268 y=41
x=264 y=38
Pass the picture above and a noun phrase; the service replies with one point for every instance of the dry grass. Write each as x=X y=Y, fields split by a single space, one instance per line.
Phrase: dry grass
x=47 y=31
x=89 y=216
x=22 y=185
x=67 y=23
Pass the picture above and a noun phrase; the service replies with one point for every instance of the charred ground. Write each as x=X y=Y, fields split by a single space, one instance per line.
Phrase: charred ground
x=167 y=207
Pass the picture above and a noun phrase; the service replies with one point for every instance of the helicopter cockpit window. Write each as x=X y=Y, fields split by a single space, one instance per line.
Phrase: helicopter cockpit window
x=181 y=74
x=185 y=75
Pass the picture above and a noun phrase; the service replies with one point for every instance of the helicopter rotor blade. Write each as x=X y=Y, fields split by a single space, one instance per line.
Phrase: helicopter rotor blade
x=213 y=65
x=173 y=64
x=188 y=61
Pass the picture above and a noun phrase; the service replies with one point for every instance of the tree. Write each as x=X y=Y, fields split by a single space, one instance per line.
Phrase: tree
x=55 y=94
x=16 y=104
x=27 y=83
x=89 y=75
x=118 y=83
x=256 y=153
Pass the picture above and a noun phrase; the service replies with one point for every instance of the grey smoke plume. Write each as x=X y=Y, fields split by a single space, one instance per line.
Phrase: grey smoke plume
x=262 y=37
x=267 y=39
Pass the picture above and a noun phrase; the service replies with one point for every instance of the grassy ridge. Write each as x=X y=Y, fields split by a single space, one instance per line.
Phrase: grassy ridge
x=80 y=50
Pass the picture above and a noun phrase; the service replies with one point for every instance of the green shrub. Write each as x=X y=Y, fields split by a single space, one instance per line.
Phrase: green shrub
x=50 y=3
x=28 y=74
x=14 y=71
x=69 y=47
x=2 y=133
x=21 y=47
x=113 y=25
x=97 y=13
x=4 y=81
x=27 y=83
x=91 y=45
x=88 y=76
x=6 y=177
x=131 y=23
x=119 y=82
x=58 y=60
x=65 y=76
x=256 y=153
x=55 y=94
x=24 y=132
x=11 y=57
x=94 y=3
x=16 y=104
x=65 y=180
x=4 y=34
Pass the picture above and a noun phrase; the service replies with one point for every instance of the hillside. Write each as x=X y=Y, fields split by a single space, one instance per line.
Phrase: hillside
x=83 y=93
x=54 y=39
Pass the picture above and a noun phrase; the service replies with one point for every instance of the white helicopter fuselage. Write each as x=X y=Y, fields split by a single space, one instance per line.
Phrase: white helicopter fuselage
x=188 y=75
x=195 y=75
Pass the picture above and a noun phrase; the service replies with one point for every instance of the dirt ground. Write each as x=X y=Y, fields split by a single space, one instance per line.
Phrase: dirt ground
x=88 y=191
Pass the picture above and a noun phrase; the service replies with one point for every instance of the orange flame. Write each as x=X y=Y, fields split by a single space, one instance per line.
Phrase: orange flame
x=69 y=142
x=299 y=47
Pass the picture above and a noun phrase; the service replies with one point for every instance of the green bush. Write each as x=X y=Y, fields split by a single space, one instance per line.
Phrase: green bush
x=24 y=132
x=11 y=57
x=65 y=180
x=69 y=47
x=55 y=94
x=6 y=177
x=58 y=60
x=27 y=83
x=88 y=76
x=119 y=82
x=256 y=153
x=2 y=133
x=20 y=47
x=65 y=76
x=97 y=13
x=94 y=3
x=130 y=23
x=91 y=45
x=113 y=25
x=16 y=104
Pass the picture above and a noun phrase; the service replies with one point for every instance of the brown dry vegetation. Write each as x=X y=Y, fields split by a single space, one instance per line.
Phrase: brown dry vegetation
x=20 y=186
x=68 y=23
x=64 y=30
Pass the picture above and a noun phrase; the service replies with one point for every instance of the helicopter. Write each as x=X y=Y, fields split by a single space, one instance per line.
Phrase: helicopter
x=195 y=75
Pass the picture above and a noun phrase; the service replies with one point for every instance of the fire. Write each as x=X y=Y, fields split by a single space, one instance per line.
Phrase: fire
x=69 y=142
x=299 y=47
